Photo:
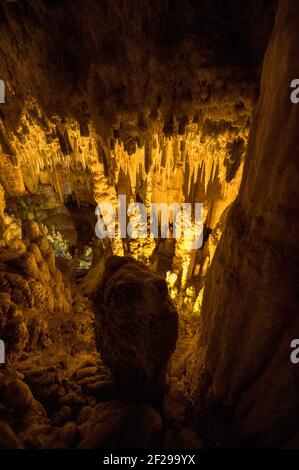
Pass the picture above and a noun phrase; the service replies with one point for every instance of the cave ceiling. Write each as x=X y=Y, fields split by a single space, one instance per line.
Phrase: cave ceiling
x=131 y=90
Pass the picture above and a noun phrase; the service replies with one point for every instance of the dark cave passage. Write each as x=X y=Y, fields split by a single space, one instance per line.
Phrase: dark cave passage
x=131 y=341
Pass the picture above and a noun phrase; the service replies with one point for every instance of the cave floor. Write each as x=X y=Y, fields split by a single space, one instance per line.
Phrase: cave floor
x=63 y=396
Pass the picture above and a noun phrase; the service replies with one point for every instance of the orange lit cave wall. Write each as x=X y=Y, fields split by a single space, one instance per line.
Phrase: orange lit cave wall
x=200 y=162
x=244 y=386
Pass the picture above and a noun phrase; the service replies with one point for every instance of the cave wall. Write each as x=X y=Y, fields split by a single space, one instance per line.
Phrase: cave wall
x=129 y=110
x=240 y=366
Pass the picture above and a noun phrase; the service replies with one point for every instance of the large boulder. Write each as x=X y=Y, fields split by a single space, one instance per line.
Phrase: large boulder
x=136 y=327
x=120 y=425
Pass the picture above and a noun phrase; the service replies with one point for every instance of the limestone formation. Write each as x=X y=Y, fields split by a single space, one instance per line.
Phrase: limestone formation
x=136 y=327
x=241 y=360
x=121 y=425
x=137 y=342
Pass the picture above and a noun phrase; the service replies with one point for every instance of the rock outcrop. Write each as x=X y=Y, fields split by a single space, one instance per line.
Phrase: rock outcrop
x=241 y=370
x=136 y=327
x=154 y=100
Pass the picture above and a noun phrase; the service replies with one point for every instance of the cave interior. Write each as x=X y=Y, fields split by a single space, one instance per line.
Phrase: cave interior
x=147 y=342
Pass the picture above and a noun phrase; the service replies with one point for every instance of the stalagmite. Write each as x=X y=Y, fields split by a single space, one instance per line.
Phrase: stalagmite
x=146 y=334
x=159 y=328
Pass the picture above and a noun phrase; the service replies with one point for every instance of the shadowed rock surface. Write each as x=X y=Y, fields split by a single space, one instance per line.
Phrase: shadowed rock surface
x=241 y=372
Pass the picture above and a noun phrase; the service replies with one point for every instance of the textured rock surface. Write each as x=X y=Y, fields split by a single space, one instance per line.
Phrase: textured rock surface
x=136 y=327
x=241 y=361
x=8 y=439
x=121 y=425
x=132 y=112
x=154 y=100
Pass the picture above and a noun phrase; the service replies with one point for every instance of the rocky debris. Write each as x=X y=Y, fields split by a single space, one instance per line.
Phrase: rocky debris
x=136 y=327
x=79 y=391
x=120 y=425
x=72 y=399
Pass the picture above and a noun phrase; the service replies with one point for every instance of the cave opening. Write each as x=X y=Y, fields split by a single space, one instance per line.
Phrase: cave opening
x=132 y=341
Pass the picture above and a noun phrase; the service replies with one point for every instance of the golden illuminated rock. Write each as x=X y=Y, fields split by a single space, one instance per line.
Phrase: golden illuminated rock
x=136 y=327
x=241 y=358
